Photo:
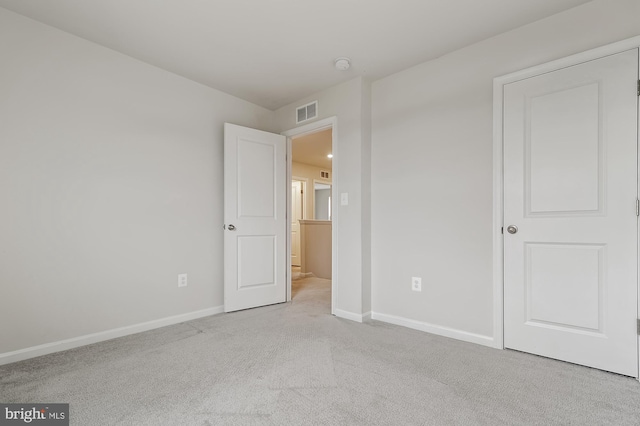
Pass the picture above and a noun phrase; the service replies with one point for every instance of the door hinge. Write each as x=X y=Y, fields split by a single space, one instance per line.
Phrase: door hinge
x=502 y=230
x=637 y=207
x=638 y=87
x=638 y=328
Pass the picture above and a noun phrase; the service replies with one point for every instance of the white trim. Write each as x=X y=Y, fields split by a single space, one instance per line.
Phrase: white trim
x=638 y=223
x=578 y=58
x=498 y=93
x=348 y=315
x=498 y=243
x=435 y=329
x=305 y=185
x=288 y=178
x=88 y=339
x=367 y=316
x=304 y=182
x=317 y=126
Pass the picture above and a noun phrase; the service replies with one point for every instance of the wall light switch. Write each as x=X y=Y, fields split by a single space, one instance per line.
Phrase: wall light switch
x=344 y=199
x=182 y=280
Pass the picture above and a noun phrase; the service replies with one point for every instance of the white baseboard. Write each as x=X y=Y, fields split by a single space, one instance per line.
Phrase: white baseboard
x=366 y=316
x=435 y=329
x=63 y=345
x=347 y=315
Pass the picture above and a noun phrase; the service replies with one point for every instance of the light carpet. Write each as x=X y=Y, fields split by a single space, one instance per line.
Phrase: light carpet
x=295 y=364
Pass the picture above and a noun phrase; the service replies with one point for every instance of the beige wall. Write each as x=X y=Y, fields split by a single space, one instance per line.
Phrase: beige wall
x=111 y=185
x=315 y=238
x=311 y=173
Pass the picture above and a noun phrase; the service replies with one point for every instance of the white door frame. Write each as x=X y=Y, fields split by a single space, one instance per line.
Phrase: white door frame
x=305 y=184
x=327 y=123
x=303 y=213
x=498 y=182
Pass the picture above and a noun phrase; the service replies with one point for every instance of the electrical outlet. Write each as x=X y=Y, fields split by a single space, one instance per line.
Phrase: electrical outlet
x=182 y=280
x=416 y=283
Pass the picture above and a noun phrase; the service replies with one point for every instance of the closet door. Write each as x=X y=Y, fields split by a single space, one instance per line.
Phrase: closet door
x=570 y=230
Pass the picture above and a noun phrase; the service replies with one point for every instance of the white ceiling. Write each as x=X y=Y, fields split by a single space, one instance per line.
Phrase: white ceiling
x=274 y=52
x=313 y=149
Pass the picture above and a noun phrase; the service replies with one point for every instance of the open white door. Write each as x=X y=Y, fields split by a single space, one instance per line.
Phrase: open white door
x=255 y=239
x=570 y=236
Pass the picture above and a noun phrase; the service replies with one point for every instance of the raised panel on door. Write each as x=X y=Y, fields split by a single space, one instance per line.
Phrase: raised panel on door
x=256 y=186
x=255 y=219
x=565 y=152
x=561 y=275
x=257 y=261
x=570 y=185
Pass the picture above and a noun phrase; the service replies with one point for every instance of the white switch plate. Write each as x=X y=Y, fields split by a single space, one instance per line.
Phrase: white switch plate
x=344 y=198
x=416 y=283
x=182 y=280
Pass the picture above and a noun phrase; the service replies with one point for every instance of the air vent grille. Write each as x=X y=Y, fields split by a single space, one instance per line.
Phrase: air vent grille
x=307 y=112
x=324 y=174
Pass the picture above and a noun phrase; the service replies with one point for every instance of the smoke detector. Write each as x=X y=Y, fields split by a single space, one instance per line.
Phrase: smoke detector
x=343 y=63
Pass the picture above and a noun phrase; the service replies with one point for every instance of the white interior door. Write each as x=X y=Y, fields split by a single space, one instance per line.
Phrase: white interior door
x=255 y=218
x=296 y=215
x=570 y=152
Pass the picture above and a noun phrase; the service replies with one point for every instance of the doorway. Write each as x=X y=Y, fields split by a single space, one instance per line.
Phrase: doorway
x=311 y=154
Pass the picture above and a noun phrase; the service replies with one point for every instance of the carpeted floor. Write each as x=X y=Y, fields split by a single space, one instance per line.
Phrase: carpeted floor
x=295 y=364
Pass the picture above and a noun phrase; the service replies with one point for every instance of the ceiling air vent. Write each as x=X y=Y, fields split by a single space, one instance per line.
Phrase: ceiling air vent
x=307 y=112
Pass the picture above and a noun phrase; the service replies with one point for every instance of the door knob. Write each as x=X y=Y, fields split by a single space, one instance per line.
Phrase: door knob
x=512 y=229
x=231 y=228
